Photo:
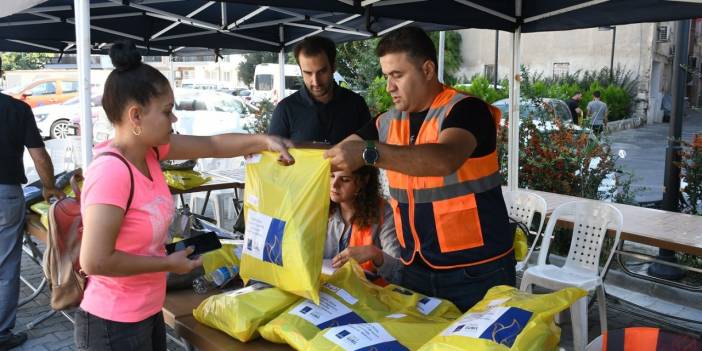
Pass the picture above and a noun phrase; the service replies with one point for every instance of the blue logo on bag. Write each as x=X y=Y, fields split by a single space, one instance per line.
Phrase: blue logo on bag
x=506 y=328
x=346 y=319
x=342 y=334
x=273 y=250
x=306 y=309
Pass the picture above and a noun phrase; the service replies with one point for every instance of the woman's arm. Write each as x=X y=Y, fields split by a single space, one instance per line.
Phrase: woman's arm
x=186 y=147
x=99 y=257
x=390 y=267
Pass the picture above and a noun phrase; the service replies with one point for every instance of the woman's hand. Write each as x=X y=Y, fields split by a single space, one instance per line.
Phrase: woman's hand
x=280 y=145
x=178 y=262
x=360 y=254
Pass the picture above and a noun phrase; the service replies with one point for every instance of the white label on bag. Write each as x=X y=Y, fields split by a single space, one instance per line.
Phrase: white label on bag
x=328 y=313
x=428 y=304
x=253 y=287
x=263 y=238
x=342 y=293
x=499 y=324
x=253 y=159
x=362 y=336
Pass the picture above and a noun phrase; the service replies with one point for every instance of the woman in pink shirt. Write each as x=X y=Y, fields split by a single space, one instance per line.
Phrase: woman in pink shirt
x=127 y=207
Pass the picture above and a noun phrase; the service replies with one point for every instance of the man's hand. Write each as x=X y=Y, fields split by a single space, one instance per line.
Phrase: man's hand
x=281 y=145
x=360 y=254
x=49 y=192
x=347 y=155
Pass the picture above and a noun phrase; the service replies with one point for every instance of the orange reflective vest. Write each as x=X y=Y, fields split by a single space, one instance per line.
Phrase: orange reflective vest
x=647 y=339
x=439 y=218
x=362 y=237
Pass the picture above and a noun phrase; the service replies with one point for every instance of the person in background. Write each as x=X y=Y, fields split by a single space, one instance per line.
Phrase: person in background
x=597 y=112
x=439 y=149
x=573 y=105
x=18 y=130
x=361 y=225
x=122 y=250
x=321 y=111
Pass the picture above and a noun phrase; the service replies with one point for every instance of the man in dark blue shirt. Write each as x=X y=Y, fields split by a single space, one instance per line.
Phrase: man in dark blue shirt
x=321 y=111
x=18 y=130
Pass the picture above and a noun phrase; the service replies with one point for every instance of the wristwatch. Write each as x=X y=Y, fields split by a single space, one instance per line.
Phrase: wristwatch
x=370 y=153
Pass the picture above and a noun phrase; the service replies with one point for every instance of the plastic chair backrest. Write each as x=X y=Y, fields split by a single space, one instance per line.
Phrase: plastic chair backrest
x=590 y=219
x=522 y=205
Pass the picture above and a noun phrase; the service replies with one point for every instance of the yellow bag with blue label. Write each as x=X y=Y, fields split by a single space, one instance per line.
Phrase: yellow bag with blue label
x=407 y=301
x=395 y=332
x=508 y=319
x=184 y=180
x=222 y=257
x=239 y=313
x=286 y=209
x=345 y=298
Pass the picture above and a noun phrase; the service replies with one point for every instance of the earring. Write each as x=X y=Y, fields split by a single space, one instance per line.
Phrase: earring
x=136 y=131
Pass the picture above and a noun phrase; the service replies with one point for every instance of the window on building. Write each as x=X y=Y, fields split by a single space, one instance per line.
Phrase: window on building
x=227 y=76
x=489 y=71
x=560 y=69
x=662 y=34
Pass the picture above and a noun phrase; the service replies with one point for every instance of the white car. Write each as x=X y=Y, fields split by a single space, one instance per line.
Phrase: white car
x=202 y=112
x=55 y=121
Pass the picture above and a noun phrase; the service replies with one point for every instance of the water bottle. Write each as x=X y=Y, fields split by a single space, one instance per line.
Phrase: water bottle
x=214 y=280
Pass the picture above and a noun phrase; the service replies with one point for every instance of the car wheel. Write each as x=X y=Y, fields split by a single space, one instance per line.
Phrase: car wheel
x=60 y=129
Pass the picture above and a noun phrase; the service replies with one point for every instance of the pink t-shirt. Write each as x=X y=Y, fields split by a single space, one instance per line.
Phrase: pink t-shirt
x=143 y=232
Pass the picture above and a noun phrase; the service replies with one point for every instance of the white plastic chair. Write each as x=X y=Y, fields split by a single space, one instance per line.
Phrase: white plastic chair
x=522 y=205
x=590 y=219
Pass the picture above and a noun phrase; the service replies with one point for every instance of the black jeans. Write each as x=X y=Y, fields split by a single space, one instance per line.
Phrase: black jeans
x=96 y=334
x=462 y=286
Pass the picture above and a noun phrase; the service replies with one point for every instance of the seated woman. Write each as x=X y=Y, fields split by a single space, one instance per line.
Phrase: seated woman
x=361 y=225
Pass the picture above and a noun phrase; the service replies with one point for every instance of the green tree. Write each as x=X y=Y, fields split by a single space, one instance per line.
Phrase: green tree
x=357 y=63
x=14 y=61
x=452 y=55
x=246 y=67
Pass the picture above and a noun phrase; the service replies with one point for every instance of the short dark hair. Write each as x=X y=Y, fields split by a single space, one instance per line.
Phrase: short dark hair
x=314 y=45
x=131 y=80
x=411 y=40
x=596 y=94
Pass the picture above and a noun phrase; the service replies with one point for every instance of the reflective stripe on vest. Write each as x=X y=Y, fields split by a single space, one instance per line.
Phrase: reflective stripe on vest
x=441 y=212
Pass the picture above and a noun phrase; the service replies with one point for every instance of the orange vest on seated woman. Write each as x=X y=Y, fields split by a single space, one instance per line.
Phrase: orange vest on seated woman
x=455 y=221
x=362 y=237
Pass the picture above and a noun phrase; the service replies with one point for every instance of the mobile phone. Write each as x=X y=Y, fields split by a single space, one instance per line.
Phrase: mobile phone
x=203 y=243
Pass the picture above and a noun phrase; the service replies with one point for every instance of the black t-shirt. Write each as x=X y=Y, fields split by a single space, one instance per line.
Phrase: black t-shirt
x=17 y=130
x=572 y=105
x=301 y=118
x=470 y=114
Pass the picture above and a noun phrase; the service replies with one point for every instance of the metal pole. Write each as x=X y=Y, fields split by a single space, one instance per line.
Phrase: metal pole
x=82 y=13
x=671 y=196
x=171 y=72
x=611 y=59
x=281 y=64
x=514 y=87
x=497 y=46
x=442 y=46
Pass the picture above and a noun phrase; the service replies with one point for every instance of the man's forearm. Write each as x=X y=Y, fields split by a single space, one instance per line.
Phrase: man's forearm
x=425 y=160
x=45 y=169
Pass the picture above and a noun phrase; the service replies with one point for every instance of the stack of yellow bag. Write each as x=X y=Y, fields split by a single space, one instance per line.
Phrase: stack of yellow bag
x=239 y=313
x=286 y=211
x=407 y=301
x=508 y=319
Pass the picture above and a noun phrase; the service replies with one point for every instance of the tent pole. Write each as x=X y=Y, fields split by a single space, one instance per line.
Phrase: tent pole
x=82 y=13
x=513 y=140
x=442 y=48
x=281 y=65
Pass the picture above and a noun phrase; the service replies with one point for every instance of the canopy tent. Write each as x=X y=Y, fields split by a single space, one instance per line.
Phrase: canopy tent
x=275 y=25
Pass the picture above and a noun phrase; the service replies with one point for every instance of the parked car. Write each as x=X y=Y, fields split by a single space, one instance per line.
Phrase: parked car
x=209 y=113
x=47 y=91
x=543 y=115
x=57 y=121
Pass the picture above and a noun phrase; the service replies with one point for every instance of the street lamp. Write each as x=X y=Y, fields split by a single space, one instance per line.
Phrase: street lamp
x=611 y=57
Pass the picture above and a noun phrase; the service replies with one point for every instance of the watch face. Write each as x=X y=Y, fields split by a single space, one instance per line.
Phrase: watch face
x=370 y=156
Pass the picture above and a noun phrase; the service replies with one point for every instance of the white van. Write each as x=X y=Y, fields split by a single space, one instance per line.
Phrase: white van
x=267 y=81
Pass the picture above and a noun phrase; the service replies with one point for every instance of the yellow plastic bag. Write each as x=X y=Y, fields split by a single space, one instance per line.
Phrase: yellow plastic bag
x=508 y=319
x=286 y=210
x=222 y=257
x=184 y=180
x=521 y=247
x=394 y=332
x=407 y=301
x=240 y=312
x=346 y=298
